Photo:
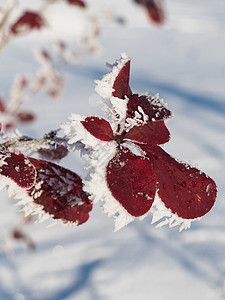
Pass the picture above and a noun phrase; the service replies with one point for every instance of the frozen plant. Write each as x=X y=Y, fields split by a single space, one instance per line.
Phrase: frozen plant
x=127 y=168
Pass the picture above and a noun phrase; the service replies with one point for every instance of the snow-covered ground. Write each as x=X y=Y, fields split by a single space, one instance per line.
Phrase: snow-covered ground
x=184 y=62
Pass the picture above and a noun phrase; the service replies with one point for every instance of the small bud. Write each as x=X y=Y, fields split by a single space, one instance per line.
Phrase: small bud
x=77 y=3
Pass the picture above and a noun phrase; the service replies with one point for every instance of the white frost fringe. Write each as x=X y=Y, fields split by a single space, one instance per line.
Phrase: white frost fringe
x=104 y=86
x=20 y=194
x=96 y=185
x=113 y=107
x=27 y=204
x=165 y=216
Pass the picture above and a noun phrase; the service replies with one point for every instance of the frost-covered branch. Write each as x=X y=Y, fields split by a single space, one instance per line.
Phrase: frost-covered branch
x=127 y=168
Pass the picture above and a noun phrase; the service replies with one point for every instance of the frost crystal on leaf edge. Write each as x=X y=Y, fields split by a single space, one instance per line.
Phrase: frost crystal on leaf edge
x=163 y=215
x=104 y=87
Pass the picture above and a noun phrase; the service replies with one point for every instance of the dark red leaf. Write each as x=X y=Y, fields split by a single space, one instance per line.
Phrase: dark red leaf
x=25 y=117
x=99 y=128
x=18 y=168
x=152 y=107
x=28 y=21
x=155 y=13
x=185 y=190
x=60 y=192
x=154 y=10
x=54 y=152
x=152 y=133
x=54 y=92
x=9 y=126
x=121 y=84
x=2 y=106
x=132 y=182
x=77 y=3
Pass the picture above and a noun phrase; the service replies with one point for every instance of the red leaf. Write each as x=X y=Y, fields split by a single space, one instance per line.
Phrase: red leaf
x=54 y=152
x=152 y=133
x=60 y=192
x=18 y=168
x=99 y=128
x=152 y=107
x=9 y=126
x=154 y=10
x=121 y=84
x=2 y=106
x=28 y=21
x=132 y=182
x=25 y=117
x=155 y=13
x=77 y=3
x=184 y=189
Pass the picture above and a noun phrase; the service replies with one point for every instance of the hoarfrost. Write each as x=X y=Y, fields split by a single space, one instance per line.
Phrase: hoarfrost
x=163 y=215
x=96 y=185
x=104 y=87
x=23 y=199
x=115 y=108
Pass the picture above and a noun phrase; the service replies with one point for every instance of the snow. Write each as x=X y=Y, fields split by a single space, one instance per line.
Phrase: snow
x=183 y=62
